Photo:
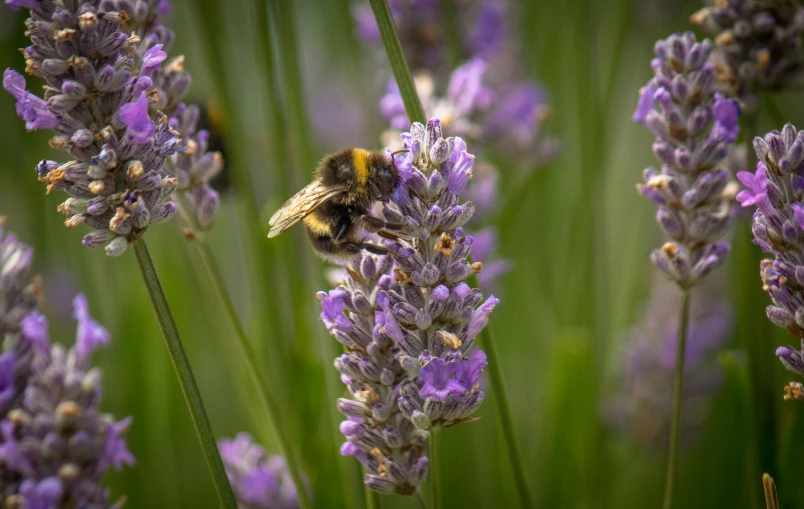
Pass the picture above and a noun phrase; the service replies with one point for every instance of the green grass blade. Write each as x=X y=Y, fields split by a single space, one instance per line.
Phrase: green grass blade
x=185 y=375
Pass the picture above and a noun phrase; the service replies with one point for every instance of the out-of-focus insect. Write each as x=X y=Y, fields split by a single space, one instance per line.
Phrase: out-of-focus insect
x=334 y=207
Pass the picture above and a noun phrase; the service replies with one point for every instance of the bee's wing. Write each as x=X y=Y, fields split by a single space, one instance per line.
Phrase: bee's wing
x=301 y=204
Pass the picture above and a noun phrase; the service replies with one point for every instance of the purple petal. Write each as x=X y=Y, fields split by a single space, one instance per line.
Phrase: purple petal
x=152 y=59
x=90 y=334
x=135 y=116
x=645 y=103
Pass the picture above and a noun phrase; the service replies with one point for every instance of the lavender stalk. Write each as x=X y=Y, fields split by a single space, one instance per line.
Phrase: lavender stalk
x=678 y=395
x=181 y=365
x=260 y=383
x=694 y=127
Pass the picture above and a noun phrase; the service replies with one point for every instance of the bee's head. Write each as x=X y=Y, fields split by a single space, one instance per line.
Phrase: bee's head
x=382 y=175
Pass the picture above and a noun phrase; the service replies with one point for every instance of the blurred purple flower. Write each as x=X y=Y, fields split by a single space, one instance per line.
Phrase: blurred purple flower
x=56 y=445
x=259 y=481
x=90 y=335
x=758 y=44
x=642 y=404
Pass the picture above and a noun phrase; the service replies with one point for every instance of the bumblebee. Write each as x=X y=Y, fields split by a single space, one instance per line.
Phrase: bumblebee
x=334 y=207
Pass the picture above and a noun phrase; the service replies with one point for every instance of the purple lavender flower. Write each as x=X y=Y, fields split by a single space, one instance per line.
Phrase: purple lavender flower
x=776 y=190
x=490 y=107
x=259 y=481
x=429 y=311
x=465 y=96
x=409 y=320
x=694 y=127
x=97 y=103
x=643 y=403
x=758 y=43
x=127 y=164
x=377 y=433
x=16 y=5
x=459 y=112
x=56 y=444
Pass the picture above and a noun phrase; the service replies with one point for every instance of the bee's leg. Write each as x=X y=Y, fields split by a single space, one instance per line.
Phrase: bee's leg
x=356 y=247
x=376 y=225
x=391 y=235
x=375 y=248
x=342 y=233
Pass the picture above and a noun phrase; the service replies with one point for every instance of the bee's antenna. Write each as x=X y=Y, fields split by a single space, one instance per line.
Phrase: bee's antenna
x=402 y=151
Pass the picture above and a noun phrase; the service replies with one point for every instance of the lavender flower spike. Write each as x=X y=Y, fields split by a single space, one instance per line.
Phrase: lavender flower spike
x=694 y=127
x=776 y=190
x=259 y=481
x=110 y=104
x=377 y=433
x=56 y=444
x=429 y=311
x=642 y=406
x=408 y=319
x=758 y=43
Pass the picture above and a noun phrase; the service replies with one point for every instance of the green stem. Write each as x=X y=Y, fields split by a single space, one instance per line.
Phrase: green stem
x=449 y=13
x=493 y=372
x=390 y=39
x=263 y=392
x=420 y=498
x=675 y=426
x=372 y=498
x=435 y=471
x=185 y=375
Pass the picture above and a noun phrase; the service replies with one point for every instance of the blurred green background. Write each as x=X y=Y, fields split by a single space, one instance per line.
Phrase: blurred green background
x=577 y=231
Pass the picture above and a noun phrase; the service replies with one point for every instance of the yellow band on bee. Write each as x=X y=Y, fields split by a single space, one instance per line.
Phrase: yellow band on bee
x=360 y=163
x=316 y=225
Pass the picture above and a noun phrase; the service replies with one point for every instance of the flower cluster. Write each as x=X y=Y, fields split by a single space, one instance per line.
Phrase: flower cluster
x=259 y=481
x=55 y=443
x=409 y=320
x=435 y=316
x=758 y=43
x=776 y=189
x=694 y=128
x=377 y=433
x=643 y=405
x=508 y=113
x=96 y=101
x=115 y=110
